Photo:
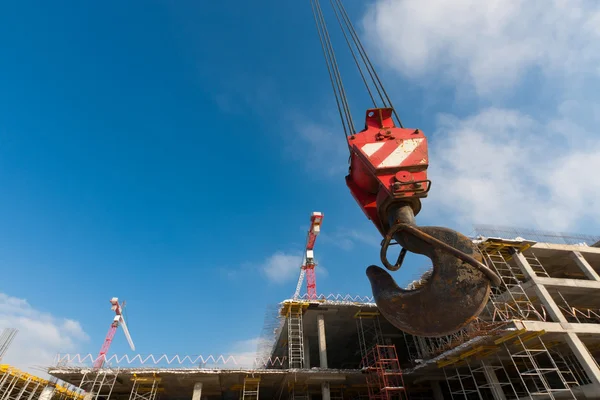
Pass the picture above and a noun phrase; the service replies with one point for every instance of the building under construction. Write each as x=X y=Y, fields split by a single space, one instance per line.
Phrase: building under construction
x=539 y=337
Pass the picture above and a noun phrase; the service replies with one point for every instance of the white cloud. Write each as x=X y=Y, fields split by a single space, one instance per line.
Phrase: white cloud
x=515 y=171
x=347 y=239
x=40 y=335
x=500 y=164
x=245 y=352
x=489 y=44
x=282 y=267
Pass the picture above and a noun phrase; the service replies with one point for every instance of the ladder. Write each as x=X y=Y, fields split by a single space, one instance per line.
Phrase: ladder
x=144 y=387
x=297 y=391
x=295 y=336
x=537 y=367
x=537 y=266
x=513 y=302
x=250 y=390
x=97 y=380
x=369 y=331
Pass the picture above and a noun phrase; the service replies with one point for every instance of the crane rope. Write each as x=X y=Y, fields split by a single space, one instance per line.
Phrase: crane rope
x=355 y=46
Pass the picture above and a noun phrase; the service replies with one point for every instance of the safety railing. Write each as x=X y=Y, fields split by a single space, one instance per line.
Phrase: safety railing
x=163 y=360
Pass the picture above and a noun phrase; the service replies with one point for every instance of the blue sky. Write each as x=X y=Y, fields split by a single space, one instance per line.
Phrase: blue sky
x=171 y=154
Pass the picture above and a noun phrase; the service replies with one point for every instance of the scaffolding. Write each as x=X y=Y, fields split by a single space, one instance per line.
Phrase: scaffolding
x=6 y=339
x=19 y=385
x=272 y=326
x=297 y=391
x=293 y=311
x=509 y=301
x=383 y=374
x=336 y=392
x=537 y=369
x=519 y=365
x=99 y=383
x=144 y=387
x=250 y=389
x=369 y=331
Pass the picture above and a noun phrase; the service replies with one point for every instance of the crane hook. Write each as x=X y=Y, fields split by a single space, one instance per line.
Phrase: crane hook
x=453 y=296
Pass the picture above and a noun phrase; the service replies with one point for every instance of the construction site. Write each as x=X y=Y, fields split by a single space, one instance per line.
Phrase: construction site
x=502 y=313
x=538 y=337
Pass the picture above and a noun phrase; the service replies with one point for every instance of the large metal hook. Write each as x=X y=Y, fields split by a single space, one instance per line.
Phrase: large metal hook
x=453 y=296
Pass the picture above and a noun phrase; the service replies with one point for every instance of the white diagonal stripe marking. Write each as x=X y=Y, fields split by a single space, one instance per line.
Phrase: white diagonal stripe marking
x=400 y=154
x=370 y=148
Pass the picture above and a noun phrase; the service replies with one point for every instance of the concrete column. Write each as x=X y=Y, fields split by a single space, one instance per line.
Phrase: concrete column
x=197 y=394
x=306 y=352
x=322 y=342
x=585 y=358
x=437 y=390
x=325 y=392
x=542 y=292
x=47 y=393
x=584 y=266
x=492 y=379
x=551 y=307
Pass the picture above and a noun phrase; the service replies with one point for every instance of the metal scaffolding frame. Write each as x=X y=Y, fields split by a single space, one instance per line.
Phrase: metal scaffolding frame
x=6 y=338
x=509 y=301
x=250 y=389
x=295 y=332
x=297 y=391
x=99 y=382
x=537 y=369
x=19 y=385
x=144 y=387
x=383 y=374
x=369 y=331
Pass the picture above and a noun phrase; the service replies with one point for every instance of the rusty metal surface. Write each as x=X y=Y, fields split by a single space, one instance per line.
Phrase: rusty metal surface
x=453 y=296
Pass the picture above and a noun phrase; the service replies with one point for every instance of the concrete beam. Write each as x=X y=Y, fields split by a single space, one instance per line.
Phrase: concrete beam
x=584 y=266
x=566 y=247
x=322 y=341
x=556 y=327
x=572 y=283
x=315 y=377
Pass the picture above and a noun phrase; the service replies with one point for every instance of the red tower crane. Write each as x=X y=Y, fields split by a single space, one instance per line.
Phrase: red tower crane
x=308 y=263
x=117 y=321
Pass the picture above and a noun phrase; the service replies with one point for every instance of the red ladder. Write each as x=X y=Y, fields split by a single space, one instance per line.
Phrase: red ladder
x=384 y=376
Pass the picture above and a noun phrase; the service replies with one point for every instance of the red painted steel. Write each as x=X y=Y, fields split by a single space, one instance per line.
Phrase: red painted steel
x=387 y=164
x=383 y=373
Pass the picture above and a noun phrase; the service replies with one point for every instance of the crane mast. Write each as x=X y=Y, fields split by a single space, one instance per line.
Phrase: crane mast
x=308 y=262
x=118 y=320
